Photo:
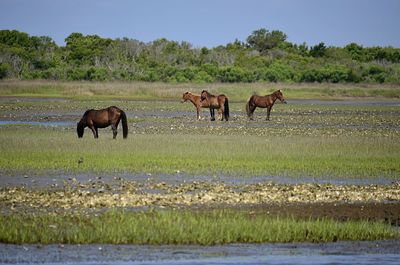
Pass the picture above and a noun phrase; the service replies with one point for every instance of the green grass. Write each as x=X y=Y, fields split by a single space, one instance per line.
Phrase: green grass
x=238 y=92
x=182 y=227
x=24 y=148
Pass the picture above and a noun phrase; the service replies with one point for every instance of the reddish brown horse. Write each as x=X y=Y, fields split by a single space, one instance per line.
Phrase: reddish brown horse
x=219 y=102
x=95 y=119
x=263 y=102
x=196 y=100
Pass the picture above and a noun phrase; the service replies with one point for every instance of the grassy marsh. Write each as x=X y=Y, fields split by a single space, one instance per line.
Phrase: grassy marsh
x=183 y=227
x=25 y=148
x=302 y=140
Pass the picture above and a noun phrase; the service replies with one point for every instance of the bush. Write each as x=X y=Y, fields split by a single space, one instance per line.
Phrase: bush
x=203 y=77
x=75 y=74
x=276 y=72
x=334 y=74
x=96 y=74
x=235 y=74
x=3 y=70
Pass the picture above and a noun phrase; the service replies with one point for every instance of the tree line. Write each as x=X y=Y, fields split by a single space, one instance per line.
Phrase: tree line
x=264 y=56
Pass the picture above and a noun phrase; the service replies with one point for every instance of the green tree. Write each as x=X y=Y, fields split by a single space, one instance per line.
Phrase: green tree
x=318 y=50
x=355 y=50
x=15 y=38
x=263 y=40
x=86 y=49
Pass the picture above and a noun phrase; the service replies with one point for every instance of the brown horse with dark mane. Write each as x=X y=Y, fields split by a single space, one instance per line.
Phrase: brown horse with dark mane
x=103 y=118
x=196 y=100
x=219 y=102
x=263 y=102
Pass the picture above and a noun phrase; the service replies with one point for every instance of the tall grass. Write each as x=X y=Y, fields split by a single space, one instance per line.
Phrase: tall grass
x=239 y=92
x=183 y=227
x=25 y=148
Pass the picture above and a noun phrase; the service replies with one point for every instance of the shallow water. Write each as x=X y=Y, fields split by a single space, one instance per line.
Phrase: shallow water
x=361 y=102
x=369 y=252
x=57 y=178
x=39 y=123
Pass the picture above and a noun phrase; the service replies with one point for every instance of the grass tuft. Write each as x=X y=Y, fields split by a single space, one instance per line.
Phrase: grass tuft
x=183 y=227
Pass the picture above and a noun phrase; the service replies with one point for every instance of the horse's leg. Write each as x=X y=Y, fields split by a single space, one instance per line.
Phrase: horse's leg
x=114 y=129
x=94 y=130
x=252 y=108
x=212 y=113
x=268 y=112
x=220 y=114
x=198 y=113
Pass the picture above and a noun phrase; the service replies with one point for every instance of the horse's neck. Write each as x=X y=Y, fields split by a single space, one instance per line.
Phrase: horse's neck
x=193 y=98
x=82 y=122
x=274 y=97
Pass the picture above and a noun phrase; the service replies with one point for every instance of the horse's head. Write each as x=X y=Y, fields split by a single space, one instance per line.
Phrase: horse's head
x=204 y=95
x=279 y=95
x=185 y=97
x=80 y=128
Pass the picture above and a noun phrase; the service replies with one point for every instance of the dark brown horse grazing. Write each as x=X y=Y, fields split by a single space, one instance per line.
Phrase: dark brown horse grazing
x=95 y=119
x=196 y=100
x=263 y=102
x=219 y=102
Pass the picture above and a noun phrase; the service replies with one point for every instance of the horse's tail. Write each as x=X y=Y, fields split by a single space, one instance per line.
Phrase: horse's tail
x=226 y=109
x=248 y=107
x=124 y=124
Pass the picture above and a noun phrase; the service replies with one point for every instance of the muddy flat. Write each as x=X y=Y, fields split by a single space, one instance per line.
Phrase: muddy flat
x=300 y=200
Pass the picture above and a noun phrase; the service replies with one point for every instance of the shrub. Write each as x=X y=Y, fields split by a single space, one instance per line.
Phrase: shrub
x=3 y=70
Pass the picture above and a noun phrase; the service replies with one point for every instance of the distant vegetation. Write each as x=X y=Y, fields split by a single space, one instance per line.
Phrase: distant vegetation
x=264 y=56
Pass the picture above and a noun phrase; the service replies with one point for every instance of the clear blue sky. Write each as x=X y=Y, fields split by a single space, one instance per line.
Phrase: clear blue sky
x=209 y=22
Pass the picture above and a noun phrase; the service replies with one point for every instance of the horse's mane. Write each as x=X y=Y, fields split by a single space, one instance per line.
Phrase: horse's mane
x=206 y=91
x=87 y=112
x=273 y=93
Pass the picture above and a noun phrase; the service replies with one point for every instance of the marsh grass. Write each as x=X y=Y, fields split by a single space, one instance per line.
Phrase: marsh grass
x=26 y=148
x=238 y=92
x=183 y=227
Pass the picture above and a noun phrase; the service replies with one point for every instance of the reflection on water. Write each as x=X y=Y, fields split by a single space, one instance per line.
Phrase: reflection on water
x=370 y=252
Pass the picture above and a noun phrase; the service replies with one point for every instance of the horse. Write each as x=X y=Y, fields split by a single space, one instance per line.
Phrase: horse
x=219 y=102
x=196 y=100
x=263 y=102
x=103 y=118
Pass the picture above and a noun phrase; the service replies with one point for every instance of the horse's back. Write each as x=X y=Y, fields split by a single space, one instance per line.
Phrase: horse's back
x=262 y=101
x=98 y=118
